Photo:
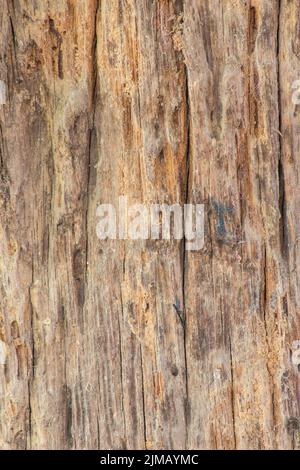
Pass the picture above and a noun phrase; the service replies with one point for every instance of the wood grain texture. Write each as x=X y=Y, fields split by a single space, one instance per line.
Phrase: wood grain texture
x=164 y=101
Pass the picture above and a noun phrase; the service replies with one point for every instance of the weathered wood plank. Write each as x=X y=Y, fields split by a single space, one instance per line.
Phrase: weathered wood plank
x=144 y=344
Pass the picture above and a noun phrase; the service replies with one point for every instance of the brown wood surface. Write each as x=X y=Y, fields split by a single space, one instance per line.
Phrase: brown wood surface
x=162 y=101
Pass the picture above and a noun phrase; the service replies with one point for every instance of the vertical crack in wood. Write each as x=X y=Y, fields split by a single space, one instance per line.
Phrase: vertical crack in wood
x=12 y=10
x=98 y=431
x=232 y=393
x=121 y=365
x=58 y=41
x=28 y=447
x=91 y=131
x=14 y=40
x=66 y=388
x=98 y=415
x=33 y=359
x=252 y=29
x=185 y=255
x=281 y=176
x=2 y=170
x=143 y=400
x=69 y=416
x=14 y=60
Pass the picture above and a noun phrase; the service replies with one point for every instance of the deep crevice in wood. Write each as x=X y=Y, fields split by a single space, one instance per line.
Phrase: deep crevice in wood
x=283 y=224
x=185 y=255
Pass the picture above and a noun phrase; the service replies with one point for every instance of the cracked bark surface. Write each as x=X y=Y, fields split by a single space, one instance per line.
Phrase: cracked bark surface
x=144 y=344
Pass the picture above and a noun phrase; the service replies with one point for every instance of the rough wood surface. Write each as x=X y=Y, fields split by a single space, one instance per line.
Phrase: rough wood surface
x=162 y=101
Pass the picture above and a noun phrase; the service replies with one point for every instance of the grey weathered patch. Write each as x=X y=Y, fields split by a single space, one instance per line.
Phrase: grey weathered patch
x=2 y=92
